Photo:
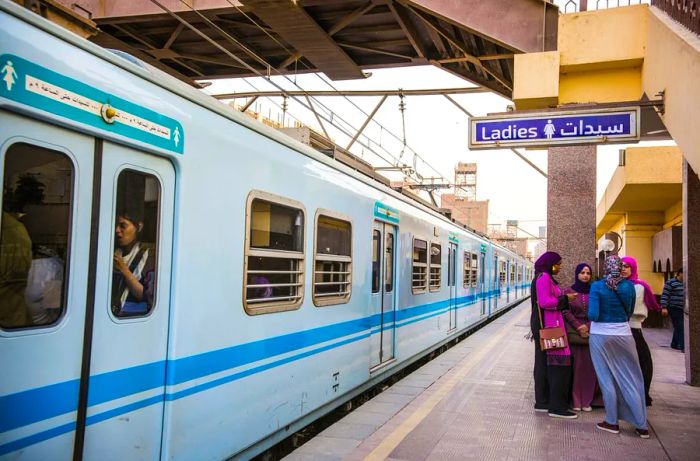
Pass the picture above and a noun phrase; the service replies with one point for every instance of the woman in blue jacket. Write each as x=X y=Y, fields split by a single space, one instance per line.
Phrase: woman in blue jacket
x=613 y=351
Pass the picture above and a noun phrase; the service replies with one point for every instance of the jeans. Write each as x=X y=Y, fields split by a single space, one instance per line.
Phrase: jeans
x=678 y=341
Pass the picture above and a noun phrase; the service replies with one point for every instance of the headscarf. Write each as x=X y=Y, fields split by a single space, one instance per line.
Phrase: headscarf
x=579 y=286
x=613 y=266
x=649 y=298
x=545 y=262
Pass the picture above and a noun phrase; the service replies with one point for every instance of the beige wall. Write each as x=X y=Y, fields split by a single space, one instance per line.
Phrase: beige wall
x=672 y=64
x=472 y=213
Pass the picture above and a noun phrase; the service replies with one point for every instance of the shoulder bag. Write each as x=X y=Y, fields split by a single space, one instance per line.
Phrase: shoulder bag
x=552 y=338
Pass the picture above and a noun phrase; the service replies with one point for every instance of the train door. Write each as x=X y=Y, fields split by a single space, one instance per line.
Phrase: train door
x=383 y=288
x=451 y=283
x=46 y=180
x=482 y=282
x=125 y=395
x=495 y=286
x=509 y=279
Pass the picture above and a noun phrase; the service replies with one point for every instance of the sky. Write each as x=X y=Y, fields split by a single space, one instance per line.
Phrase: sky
x=434 y=129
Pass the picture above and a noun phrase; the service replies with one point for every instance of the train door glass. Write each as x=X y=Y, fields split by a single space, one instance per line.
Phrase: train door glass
x=482 y=282
x=47 y=176
x=383 y=289
x=509 y=284
x=452 y=286
x=132 y=306
x=495 y=286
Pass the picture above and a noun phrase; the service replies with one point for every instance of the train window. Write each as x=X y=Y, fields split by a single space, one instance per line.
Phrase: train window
x=435 y=266
x=34 y=240
x=466 y=279
x=512 y=272
x=502 y=272
x=274 y=263
x=332 y=261
x=475 y=269
x=135 y=244
x=376 y=259
x=388 y=263
x=420 y=266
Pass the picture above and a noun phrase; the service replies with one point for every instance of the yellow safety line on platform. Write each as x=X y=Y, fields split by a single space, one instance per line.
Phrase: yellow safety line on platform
x=384 y=449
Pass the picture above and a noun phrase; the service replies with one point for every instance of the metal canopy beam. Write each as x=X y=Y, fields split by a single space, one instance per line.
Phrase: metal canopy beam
x=428 y=92
x=524 y=25
x=298 y=28
x=369 y=118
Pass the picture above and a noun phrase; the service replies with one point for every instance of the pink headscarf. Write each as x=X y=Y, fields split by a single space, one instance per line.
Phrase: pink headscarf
x=649 y=298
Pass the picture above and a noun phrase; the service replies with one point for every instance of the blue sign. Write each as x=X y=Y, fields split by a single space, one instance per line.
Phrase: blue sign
x=36 y=86
x=554 y=128
x=386 y=213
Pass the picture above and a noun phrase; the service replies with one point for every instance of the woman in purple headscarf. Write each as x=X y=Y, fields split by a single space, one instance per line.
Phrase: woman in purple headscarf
x=644 y=303
x=585 y=384
x=552 y=370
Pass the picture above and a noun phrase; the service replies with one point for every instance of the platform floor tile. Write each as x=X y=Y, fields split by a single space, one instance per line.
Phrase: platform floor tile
x=475 y=402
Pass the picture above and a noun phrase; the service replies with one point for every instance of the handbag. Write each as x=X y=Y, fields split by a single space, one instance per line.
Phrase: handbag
x=574 y=337
x=551 y=338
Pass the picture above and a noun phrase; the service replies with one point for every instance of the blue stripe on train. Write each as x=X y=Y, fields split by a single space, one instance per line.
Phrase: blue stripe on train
x=31 y=406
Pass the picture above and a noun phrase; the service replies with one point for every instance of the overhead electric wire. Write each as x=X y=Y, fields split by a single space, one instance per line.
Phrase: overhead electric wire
x=257 y=72
x=382 y=127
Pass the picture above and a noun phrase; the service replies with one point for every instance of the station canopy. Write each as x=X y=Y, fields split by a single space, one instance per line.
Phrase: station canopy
x=198 y=39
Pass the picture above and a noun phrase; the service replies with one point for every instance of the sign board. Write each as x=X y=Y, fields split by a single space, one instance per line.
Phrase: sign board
x=33 y=85
x=547 y=129
x=386 y=213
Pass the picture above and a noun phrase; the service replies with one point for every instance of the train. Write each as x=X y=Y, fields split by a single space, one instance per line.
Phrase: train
x=180 y=281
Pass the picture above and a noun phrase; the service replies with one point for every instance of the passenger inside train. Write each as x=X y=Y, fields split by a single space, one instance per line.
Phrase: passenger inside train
x=37 y=194
x=133 y=282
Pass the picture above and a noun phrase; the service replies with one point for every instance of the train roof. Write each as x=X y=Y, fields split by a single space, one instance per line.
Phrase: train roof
x=171 y=84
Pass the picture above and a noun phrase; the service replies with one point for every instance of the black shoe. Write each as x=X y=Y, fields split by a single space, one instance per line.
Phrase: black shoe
x=649 y=400
x=563 y=414
x=541 y=407
x=607 y=427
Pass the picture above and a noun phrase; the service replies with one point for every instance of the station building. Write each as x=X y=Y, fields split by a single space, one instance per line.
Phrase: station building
x=643 y=205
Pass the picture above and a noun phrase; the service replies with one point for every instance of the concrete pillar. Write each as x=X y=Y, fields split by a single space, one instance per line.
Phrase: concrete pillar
x=691 y=272
x=571 y=207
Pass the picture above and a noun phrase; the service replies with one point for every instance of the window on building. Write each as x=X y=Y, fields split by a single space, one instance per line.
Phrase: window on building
x=274 y=271
x=35 y=237
x=435 y=266
x=332 y=261
x=136 y=244
x=420 y=266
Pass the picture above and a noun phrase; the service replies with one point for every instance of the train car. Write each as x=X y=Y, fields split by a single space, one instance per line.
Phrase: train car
x=179 y=281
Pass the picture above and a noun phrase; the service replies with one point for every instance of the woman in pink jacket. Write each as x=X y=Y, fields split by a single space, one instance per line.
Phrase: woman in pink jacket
x=551 y=301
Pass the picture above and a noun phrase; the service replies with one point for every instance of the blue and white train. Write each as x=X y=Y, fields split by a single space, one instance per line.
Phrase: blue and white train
x=262 y=285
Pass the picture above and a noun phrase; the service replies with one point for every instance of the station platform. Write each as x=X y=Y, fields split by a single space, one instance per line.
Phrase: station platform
x=475 y=401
